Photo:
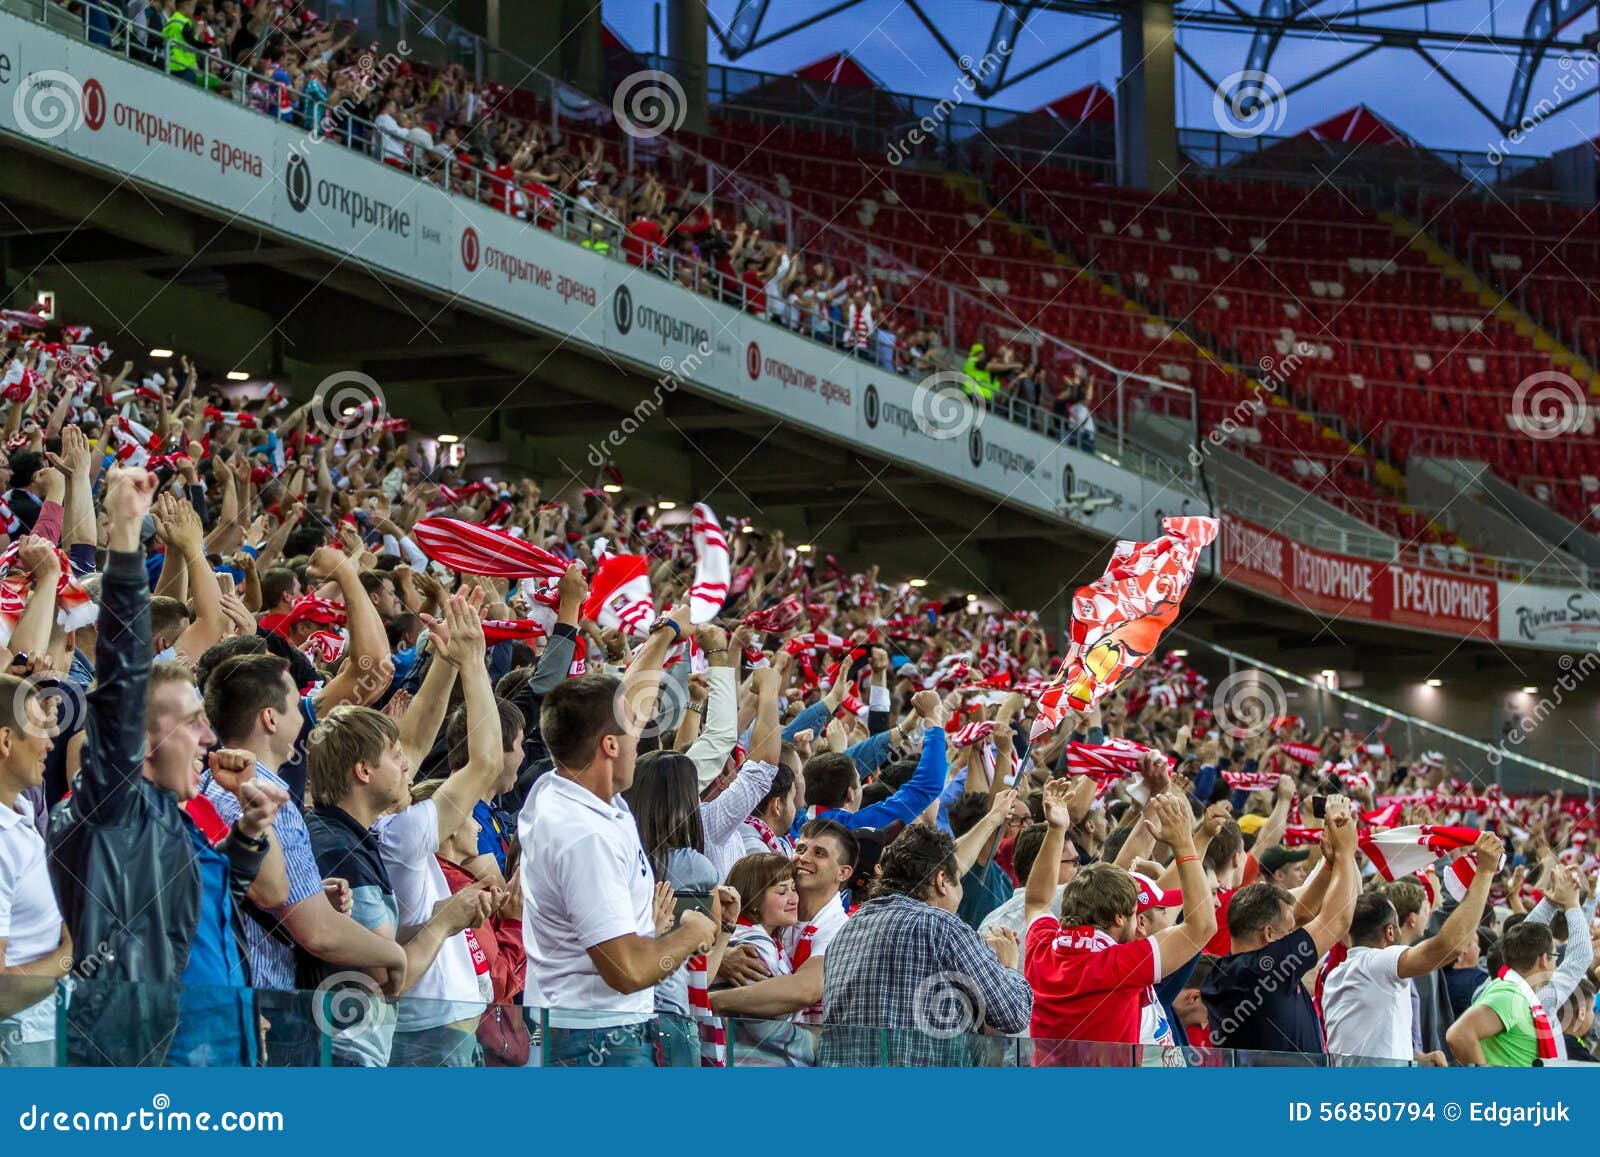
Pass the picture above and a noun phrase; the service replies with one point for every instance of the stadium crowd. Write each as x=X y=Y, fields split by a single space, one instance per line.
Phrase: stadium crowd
x=298 y=715
x=286 y=61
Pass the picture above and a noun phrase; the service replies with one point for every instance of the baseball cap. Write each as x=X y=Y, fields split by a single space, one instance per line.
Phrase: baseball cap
x=1276 y=857
x=1152 y=895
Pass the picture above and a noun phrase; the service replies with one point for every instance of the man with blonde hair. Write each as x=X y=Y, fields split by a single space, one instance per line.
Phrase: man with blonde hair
x=360 y=775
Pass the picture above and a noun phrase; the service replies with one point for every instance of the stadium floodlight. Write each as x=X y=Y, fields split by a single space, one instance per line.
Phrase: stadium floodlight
x=238 y=376
x=1180 y=653
x=919 y=583
x=448 y=438
x=1436 y=682
x=611 y=488
x=160 y=353
x=1329 y=673
x=1530 y=690
x=804 y=548
x=666 y=504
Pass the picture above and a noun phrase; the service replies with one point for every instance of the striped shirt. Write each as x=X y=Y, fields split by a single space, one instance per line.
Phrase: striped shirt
x=272 y=963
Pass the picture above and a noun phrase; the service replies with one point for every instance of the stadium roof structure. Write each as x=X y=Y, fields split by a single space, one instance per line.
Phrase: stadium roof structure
x=1438 y=31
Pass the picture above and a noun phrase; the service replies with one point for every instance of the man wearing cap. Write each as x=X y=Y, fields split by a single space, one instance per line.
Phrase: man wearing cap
x=1285 y=867
x=1157 y=911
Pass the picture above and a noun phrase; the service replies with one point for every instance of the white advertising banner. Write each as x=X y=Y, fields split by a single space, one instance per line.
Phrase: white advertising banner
x=1557 y=618
x=373 y=215
x=524 y=272
x=134 y=122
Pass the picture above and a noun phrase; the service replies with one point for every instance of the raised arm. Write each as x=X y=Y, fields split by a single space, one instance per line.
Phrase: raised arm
x=711 y=749
x=107 y=785
x=368 y=651
x=463 y=789
x=1438 y=950
x=1173 y=824
x=1332 y=923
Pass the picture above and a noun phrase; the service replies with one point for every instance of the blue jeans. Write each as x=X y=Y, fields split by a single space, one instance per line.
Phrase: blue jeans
x=433 y=1048
x=626 y=1046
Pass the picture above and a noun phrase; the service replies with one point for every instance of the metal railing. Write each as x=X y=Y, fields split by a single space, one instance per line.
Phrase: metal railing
x=1480 y=761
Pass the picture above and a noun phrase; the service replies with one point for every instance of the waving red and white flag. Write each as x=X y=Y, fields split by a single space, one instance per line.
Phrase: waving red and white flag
x=712 y=567
x=473 y=549
x=1118 y=619
x=1401 y=851
x=620 y=596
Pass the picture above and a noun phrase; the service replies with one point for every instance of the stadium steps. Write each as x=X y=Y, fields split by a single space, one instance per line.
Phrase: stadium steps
x=1387 y=476
x=1491 y=298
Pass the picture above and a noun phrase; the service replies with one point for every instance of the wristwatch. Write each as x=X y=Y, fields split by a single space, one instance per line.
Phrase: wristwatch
x=254 y=843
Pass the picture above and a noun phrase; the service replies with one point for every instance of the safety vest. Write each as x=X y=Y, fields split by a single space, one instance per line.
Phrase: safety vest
x=597 y=246
x=979 y=381
x=180 y=57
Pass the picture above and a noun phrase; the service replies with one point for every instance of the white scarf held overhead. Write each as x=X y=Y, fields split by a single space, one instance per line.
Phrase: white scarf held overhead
x=712 y=568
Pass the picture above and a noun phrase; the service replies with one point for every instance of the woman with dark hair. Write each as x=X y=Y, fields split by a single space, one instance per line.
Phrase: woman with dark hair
x=665 y=801
x=769 y=903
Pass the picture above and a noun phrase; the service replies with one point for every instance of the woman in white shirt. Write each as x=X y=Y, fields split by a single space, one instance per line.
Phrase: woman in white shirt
x=770 y=903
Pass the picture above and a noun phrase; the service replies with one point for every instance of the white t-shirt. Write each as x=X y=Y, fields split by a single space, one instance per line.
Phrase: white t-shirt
x=30 y=921
x=392 y=138
x=585 y=880
x=1367 y=1006
x=805 y=939
x=448 y=991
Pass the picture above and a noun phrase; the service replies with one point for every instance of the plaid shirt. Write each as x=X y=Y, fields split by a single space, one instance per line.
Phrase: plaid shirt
x=902 y=964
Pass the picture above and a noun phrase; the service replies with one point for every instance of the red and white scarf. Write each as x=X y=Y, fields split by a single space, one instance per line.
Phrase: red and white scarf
x=777 y=844
x=713 y=1036
x=74 y=607
x=473 y=549
x=712 y=566
x=1549 y=1049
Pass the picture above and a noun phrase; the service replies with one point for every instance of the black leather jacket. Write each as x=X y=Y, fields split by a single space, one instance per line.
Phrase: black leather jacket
x=121 y=856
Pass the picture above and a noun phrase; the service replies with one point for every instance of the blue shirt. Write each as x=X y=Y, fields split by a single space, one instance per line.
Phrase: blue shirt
x=215 y=1021
x=494 y=832
x=272 y=961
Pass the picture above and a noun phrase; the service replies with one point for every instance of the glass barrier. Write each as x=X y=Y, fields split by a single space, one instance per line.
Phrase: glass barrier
x=83 y=1021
